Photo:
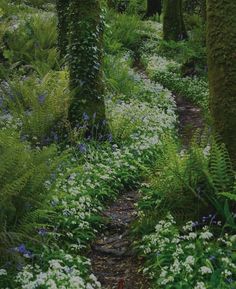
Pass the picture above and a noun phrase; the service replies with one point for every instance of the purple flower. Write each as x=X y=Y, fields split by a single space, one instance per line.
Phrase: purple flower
x=109 y=137
x=41 y=98
x=85 y=116
x=82 y=148
x=21 y=249
x=42 y=232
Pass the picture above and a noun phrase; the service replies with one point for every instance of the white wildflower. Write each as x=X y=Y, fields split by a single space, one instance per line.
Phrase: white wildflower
x=205 y=270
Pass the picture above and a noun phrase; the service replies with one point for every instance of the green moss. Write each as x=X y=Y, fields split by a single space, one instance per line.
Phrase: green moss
x=173 y=23
x=85 y=56
x=221 y=42
x=62 y=12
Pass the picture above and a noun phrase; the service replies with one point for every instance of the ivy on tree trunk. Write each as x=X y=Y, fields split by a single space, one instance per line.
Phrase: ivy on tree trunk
x=86 y=24
x=62 y=26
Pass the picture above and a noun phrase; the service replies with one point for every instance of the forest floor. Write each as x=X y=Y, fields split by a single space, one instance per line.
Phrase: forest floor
x=113 y=261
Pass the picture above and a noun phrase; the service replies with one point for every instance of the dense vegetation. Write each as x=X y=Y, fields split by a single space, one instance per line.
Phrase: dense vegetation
x=89 y=110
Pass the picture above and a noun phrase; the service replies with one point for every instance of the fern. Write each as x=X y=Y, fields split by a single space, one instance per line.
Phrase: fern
x=23 y=172
x=229 y=196
x=38 y=105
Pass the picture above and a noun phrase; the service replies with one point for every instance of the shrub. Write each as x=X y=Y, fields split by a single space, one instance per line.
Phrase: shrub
x=124 y=30
x=188 y=258
x=23 y=173
x=190 y=184
x=38 y=104
x=33 y=42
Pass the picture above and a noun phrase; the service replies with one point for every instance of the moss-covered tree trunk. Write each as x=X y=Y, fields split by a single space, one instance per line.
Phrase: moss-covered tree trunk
x=173 y=23
x=85 y=56
x=62 y=12
x=153 y=7
x=203 y=11
x=221 y=43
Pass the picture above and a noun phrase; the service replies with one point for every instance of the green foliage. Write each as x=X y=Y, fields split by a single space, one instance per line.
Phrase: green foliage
x=62 y=25
x=186 y=257
x=124 y=30
x=39 y=3
x=136 y=7
x=118 y=75
x=190 y=184
x=38 y=104
x=185 y=52
x=23 y=173
x=85 y=51
x=194 y=89
x=32 y=42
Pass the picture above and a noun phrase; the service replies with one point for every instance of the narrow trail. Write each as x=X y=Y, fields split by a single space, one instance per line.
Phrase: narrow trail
x=113 y=261
x=190 y=116
x=190 y=119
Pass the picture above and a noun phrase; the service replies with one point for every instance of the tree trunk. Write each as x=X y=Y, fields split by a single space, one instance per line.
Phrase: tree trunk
x=173 y=23
x=153 y=7
x=221 y=43
x=85 y=56
x=203 y=11
x=62 y=27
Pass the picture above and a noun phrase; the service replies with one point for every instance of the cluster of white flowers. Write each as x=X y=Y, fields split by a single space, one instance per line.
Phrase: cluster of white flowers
x=61 y=274
x=186 y=256
x=80 y=188
x=158 y=63
x=143 y=120
x=167 y=72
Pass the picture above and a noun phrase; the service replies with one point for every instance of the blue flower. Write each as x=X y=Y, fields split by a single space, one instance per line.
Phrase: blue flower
x=82 y=148
x=85 y=116
x=42 y=232
x=41 y=98
x=22 y=249
x=109 y=137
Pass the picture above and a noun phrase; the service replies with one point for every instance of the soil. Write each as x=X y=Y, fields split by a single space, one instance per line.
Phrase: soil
x=113 y=260
x=190 y=120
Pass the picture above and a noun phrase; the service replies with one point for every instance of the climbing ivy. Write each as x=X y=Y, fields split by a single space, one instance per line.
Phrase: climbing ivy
x=86 y=25
x=62 y=26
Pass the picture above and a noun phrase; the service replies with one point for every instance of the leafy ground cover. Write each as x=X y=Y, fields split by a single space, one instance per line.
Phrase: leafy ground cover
x=185 y=227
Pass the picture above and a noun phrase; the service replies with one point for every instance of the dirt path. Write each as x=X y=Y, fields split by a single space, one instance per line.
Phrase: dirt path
x=113 y=262
x=190 y=119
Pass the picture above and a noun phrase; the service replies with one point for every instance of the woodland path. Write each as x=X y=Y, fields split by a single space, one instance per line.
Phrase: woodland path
x=113 y=260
